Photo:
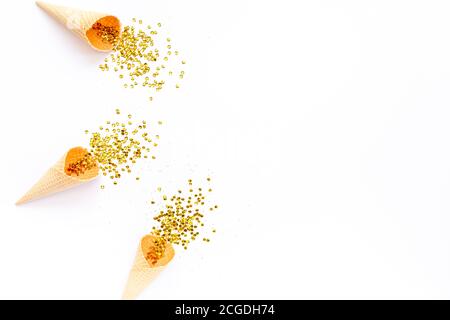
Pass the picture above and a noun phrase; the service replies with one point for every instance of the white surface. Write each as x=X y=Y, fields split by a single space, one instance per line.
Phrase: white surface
x=324 y=125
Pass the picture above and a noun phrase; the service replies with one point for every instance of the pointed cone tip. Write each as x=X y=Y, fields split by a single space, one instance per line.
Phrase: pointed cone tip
x=24 y=199
x=41 y=4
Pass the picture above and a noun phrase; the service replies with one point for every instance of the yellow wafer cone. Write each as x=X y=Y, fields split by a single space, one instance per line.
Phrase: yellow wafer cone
x=58 y=179
x=88 y=25
x=144 y=271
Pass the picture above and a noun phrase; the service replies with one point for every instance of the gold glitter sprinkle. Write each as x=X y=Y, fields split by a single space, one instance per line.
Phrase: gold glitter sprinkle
x=179 y=221
x=139 y=53
x=108 y=34
x=118 y=146
x=79 y=167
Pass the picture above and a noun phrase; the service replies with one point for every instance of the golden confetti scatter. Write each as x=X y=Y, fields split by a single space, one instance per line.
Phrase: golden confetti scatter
x=108 y=34
x=80 y=166
x=180 y=219
x=117 y=146
x=140 y=57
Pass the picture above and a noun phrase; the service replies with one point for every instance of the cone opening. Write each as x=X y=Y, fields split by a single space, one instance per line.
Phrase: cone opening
x=150 y=246
x=104 y=33
x=80 y=164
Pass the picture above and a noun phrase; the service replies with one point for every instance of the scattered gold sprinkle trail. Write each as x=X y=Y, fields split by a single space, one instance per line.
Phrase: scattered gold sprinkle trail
x=180 y=219
x=143 y=57
x=80 y=166
x=117 y=146
x=108 y=34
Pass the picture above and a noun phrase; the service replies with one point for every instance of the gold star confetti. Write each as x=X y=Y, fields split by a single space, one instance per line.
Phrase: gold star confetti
x=138 y=57
x=80 y=166
x=116 y=147
x=180 y=220
x=106 y=33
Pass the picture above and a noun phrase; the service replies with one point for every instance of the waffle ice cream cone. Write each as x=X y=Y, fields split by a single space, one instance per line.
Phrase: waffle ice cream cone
x=143 y=270
x=88 y=25
x=58 y=179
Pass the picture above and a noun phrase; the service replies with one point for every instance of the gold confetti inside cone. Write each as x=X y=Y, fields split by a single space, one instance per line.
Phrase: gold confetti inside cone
x=58 y=179
x=144 y=271
x=99 y=30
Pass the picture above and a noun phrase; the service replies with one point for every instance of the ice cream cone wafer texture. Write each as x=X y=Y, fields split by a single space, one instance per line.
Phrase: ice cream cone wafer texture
x=147 y=265
x=74 y=168
x=99 y=30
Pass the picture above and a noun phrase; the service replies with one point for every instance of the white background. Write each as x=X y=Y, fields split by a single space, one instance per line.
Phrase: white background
x=324 y=125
